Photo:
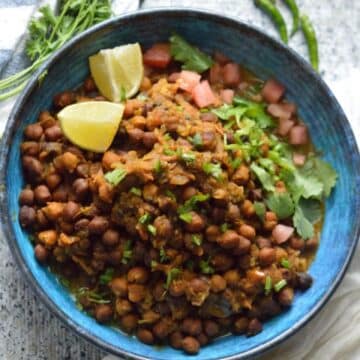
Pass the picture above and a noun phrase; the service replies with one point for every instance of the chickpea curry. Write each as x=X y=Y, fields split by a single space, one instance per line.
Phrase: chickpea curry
x=200 y=219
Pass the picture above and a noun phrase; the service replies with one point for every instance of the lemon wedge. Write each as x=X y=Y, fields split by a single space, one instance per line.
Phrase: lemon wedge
x=118 y=72
x=91 y=125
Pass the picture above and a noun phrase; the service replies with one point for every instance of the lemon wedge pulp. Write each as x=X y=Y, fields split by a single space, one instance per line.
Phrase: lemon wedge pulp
x=118 y=72
x=91 y=125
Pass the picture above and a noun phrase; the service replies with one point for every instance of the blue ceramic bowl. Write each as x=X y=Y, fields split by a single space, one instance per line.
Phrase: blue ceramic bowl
x=266 y=57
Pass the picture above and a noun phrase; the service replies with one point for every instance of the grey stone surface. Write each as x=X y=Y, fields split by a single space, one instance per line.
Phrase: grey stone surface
x=27 y=330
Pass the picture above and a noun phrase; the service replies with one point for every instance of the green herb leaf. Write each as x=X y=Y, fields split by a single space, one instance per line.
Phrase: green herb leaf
x=280 y=285
x=144 y=219
x=303 y=226
x=188 y=157
x=151 y=229
x=187 y=217
x=169 y=152
x=196 y=140
x=158 y=167
x=191 y=57
x=224 y=227
x=213 y=169
x=285 y=263
x=205 y=267
x=196 y=239
x=268 y=285
x=326 y=174
x=260 y=210
x=127 y=253
x=170 y=276
x=263 y=176
x=191 y=203
x=170 y=194
x=281 y=204
x=163 y=256
x=136 y=191
x=311 y=209
x=115 y=177
x=107 y=276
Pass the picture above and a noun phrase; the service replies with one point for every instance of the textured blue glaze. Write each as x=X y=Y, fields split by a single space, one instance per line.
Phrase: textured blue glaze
x=330 y=132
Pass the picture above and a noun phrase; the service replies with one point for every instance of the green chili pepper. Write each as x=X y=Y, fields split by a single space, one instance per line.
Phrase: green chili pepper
x=291 y=4
x=270 y=9
x=311 y=40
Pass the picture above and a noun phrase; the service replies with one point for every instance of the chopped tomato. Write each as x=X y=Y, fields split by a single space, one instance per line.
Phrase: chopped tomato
x=227 y=95
x=272 y=91
x=188 y=80
x=298 y=135
x=299 y=159
x=284 y=126
x=158 y=56
x=231 y=74
x=203 y=95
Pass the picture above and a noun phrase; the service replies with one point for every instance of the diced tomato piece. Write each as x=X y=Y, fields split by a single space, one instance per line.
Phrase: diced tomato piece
x=215 y=75
x=231 y=74
x=227 y=96
x=298 y=135
x=174 y=77
x=299 y=159
x=281 y=111
x=188 y=80
x=158 y=56
x=282 y=233
x=203 y=95
x=221 y=58
x=284 y=126
x=272 y=91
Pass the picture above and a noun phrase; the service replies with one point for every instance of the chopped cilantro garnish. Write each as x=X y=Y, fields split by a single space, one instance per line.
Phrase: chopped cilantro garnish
x=268 y=285
x=196 y=140
x=107 y=276
x=191 y=203
x=235 y=163
x=153 y=264
x=136 y=191
x=205 y=267
x=163 y=256
x=260 y=210
x=187 y=217
x=196 y=240
x=188 y=157
x=280 y=285
x=158 y=167
x=127 y=253
x=224 y=227
x=170 y=276
x=191 y=57
x=285 y=263
x=213 y=169
x=151 y=229
x=263 y=176
x=170 y=194
x=169 y=152
x=144 y=218
x=115 y=177
x=281 y=204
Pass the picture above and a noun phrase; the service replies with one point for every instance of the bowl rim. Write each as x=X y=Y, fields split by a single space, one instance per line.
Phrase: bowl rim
x=5 y=152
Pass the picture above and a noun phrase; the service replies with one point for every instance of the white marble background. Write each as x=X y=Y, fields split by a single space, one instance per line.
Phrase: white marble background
x=29 y=332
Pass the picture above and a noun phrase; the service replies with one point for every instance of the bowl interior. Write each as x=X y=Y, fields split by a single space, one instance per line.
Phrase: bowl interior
x=329 y=129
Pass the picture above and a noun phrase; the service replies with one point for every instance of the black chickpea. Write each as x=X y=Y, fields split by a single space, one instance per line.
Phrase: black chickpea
x=26 y=197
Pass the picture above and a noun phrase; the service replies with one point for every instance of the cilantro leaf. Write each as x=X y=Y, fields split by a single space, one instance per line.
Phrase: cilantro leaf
x=196 y=140
x=116 y=176
x=127 y=253
x=191 y=57
x=311 y=209
x=205 y=267
x=260 y=209
x=107 y=276
x=196 y=240
x=326 y=174
x=213 y=169
x=187 y=217
x=263 y=176
x=303 y=226
x=310 y=186
x=171 y=275
x=281 y=204
x=191 y=203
